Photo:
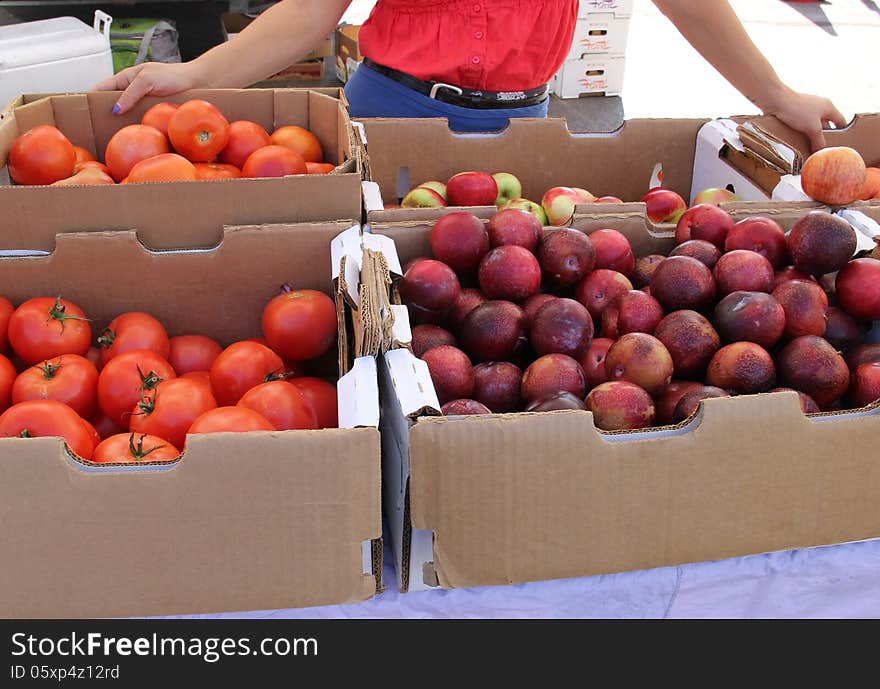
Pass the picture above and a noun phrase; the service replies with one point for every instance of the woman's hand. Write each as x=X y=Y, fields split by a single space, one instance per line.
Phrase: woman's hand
x=805 y=113
x=149 y=79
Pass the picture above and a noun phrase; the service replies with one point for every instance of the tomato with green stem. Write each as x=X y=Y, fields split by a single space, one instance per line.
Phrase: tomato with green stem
x=129 y=448
x=242 y=366
x=46 y=327
x=48 y=418
x=69 y=378
x=172 y=409
x=126 y=379
x=133 y=330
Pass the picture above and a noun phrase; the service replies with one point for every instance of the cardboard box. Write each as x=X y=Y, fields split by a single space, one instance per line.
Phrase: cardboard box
x=542 y=153
x=312 y=66
x=591 y=75
x=348 y=54
x=766 y=155
x=510 y=498
x=601 y=33
x=242 y=521
x=620 y=8
x=159 y=210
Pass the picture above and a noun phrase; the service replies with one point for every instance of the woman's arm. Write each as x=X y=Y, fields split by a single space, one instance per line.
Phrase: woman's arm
x=714 y=30
x=274 y=40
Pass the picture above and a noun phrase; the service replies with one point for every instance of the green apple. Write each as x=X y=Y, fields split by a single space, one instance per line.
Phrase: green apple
x=526 y=205
x=439 y=187
x=422 y=197
x=509 y=187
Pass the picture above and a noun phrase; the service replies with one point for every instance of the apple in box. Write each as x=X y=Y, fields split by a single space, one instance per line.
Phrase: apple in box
x=715 y=196
x=509 y=187
x=835 y=176
x=422 y=197
x=471 y=189
x=559 y=203
x=526 y=205
x=664 y=205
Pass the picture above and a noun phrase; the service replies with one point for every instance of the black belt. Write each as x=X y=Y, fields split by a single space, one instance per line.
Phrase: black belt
x=466 y=98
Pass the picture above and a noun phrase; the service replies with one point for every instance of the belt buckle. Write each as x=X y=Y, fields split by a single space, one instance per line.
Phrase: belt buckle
x=439 y=85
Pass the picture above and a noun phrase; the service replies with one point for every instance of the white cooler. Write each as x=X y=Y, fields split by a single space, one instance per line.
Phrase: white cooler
x=54 y=56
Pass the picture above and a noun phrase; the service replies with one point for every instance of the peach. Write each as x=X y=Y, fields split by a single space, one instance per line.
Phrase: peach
x=808 y=404
x=566 y=256
x=491 y=331
x=644 y=268
x=425 y=337
x=613 y=251
x=742 y=368
x=705 y=252
x=593 y=361
x=631 y=312
x=557 y=402
x=742 y=271
x=821 y=243
x=668 y=399
x=690 y=339
x=689 y=402
x=864 y=388
x=451 y=372
x=682 y=282
x=599 y=288
x=835 y=175
x=497 y=385
x=871 y=190
x=704 y=221
x=842 y=330
x=761 y=235
x=561 y=326
x=430 y=286
x=620 y=406
x=641 y=359
x=750 y=317
x=460 y=240
x=559 y=204
x=804 y=304
x=510 y=272
x=550 y=374
x=858 y=289
x=515 y=226
x=463 y=408
x=810 y=364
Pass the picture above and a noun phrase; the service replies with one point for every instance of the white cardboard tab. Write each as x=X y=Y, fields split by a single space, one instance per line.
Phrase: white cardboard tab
x=372 y=196
x=711 y=171
x=358 y=395
x=412 y=382
x=867 y=229
x=401 y=330
x=385 y=246
x=348 y=244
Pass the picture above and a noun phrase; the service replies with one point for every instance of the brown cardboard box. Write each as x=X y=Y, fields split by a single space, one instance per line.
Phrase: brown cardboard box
x=242 y=521
x=159 y=210
x=348 y=54
x=509 y=498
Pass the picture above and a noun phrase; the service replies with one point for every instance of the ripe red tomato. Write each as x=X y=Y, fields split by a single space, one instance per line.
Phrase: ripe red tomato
x=70 y=378
x=283 y=405
x=159 y=115
x=93 y=432
x=192 y=353
x=82 y=156
x=130 y=145
x=6 y=310
x=322 y=396
x=48 y=418
x=46 y=327
x=41 y=155
x=300 y=324
x=213 y=171
x=273 y=161
x=105 y=426
x=166 y=167
x=201 y=377
x=130 y=448
x=126 y=379
x=85 y=176
x=171 y=411
x=87 y=164
x=319 y=168
x=8 y=374
x=230 y=420
x=133 y=330
x=198 y=131
x=245 y=137
x=300 y=140
x=240 y=367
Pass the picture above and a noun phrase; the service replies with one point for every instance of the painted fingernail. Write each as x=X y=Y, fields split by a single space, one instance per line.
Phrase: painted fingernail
x=116 y=109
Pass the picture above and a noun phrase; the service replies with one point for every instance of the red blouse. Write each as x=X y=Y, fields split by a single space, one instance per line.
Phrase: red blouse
x=496 y=45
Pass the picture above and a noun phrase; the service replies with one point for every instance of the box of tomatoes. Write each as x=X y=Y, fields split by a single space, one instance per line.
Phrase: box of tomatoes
x=67 y=162
x=188 y=431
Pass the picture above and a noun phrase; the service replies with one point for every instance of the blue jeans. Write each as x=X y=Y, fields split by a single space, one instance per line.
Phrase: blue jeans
x=371 y=94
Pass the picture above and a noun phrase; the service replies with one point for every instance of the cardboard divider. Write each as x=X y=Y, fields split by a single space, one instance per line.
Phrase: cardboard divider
x=241 y=521
x=157 y=210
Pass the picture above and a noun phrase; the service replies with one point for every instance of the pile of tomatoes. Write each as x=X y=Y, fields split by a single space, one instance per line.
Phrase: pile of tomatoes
x=173 y=143
x=134 y=394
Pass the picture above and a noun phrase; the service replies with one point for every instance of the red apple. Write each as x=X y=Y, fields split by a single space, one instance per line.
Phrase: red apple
x=558 y=203
x=834 y=175
x=472 y=189
x=706 y=222
x=586 y=196
x=715 y=196
x=664 y=205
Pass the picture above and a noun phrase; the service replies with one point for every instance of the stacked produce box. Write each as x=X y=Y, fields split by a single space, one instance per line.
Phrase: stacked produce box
x=596 y=61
